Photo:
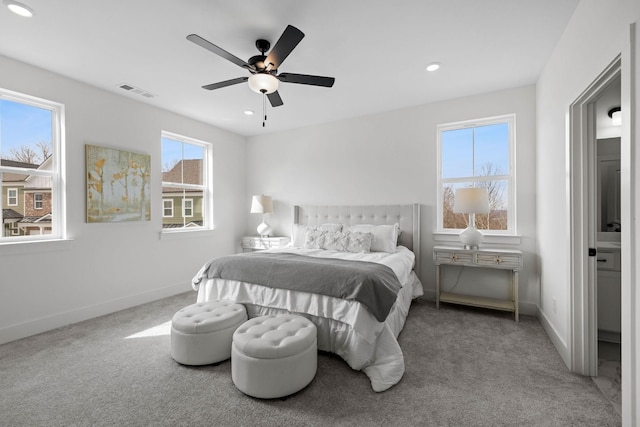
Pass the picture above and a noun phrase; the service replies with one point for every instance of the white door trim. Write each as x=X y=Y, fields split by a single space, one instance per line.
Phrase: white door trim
x=582 y=199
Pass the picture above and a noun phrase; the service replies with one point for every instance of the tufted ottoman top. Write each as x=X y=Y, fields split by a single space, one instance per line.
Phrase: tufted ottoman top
x=210 y=316
x=276 y=336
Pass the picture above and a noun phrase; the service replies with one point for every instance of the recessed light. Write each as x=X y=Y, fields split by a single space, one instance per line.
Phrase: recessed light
x=433 y=66
x=19 y=8
x=248 y=112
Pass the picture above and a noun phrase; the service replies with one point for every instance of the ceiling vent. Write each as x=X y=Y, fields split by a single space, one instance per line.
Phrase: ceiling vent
x=136 y=90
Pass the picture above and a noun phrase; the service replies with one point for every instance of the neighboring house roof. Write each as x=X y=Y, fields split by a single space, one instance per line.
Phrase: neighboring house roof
x=190 y=224
x=36 y=219
x=11 y=214
x=15 y=177
x=17 y=164
x=190 y=169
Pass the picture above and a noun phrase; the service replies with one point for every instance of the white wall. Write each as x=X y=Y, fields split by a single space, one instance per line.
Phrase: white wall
x=597 y=33
x=107 y=267
x=390 y=158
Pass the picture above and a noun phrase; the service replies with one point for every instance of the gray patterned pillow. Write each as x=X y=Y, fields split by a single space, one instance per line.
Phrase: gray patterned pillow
x=314 y=239
x=359 y=242
x=336 y=241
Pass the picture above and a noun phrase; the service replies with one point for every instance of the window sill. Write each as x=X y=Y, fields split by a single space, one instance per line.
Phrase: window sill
x=35 y=246
x=498 y=239
x=186 y=234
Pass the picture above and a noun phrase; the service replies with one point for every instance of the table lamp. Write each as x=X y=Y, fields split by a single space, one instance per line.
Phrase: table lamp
x=471 y=201
x=264 y=205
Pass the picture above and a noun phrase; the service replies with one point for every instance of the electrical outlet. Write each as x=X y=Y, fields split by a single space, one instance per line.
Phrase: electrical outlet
x=555 y=306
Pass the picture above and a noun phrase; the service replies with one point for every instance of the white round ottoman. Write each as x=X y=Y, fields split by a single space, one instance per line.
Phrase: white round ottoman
x=274 y=356
x=201 y=333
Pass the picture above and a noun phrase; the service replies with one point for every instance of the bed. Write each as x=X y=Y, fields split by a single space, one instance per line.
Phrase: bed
x=361 y=330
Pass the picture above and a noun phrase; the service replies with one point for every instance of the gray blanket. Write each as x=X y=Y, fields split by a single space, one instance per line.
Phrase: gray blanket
x=373 y=285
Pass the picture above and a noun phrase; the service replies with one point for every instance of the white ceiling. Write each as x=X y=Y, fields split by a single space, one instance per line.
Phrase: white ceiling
x=376 y=50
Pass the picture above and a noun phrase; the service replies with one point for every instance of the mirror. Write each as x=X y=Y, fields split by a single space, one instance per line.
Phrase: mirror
x=608 y=154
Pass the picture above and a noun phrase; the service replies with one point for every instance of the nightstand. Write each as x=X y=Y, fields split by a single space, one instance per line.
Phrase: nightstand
x=257 y=243
x=503 y=259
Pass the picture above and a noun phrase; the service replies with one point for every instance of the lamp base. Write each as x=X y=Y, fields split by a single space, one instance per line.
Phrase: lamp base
x=264 y=229
x=471 y=237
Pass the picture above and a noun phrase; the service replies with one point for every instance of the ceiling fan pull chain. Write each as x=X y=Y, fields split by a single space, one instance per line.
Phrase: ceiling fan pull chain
x=264 y=107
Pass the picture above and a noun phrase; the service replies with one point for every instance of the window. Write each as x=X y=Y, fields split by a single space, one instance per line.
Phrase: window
x=478 y=153
x=37 y=201
x=167 y=208
x=12 y=197
x=31 y=173
x=187 y=208
x=186 y=182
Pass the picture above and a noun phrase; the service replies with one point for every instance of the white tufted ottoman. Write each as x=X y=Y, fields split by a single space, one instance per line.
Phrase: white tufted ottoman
x=201 y=333
x=274 y=356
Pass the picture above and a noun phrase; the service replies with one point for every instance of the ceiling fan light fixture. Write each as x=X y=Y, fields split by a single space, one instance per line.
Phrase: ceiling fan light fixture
x=19 y=8
x=263 y=83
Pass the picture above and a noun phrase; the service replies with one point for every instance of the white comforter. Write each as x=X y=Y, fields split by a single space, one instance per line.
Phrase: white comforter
x=345 y=327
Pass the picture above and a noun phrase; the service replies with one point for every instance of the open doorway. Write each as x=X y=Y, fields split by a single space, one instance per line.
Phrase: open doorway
x=596 y=227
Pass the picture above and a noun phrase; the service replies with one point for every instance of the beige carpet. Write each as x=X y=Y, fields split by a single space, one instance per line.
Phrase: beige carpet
x=463 y=367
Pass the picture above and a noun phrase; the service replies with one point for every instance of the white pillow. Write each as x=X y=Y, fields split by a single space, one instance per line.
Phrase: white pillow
x=299 y=230
x=385 y=237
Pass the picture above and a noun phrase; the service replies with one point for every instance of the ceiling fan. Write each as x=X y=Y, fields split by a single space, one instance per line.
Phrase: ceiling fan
x=264 y=76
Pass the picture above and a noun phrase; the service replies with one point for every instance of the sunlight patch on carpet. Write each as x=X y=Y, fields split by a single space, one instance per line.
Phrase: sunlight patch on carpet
x=155 y=331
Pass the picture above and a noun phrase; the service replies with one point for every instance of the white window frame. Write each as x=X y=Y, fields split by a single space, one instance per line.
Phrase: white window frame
x=206 y=188
x=56 y=173
x=510 y=177
x=37 y=202
x=9 y=196
x=164 y=208
x=184 y=208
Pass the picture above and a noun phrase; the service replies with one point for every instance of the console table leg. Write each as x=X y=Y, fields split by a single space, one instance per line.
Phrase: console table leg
x=515 y=295
x=438 y=287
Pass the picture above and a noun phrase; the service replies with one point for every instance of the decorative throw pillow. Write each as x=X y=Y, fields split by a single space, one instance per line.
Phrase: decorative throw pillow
x=299 y=230
x=385 y=237
x=314 y=239
x=335 y=241
x=358 y=242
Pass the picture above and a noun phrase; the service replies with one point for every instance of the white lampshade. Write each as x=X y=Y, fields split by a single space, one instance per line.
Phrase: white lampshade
x=263 y=83
x=262 y=204
x=471 y=200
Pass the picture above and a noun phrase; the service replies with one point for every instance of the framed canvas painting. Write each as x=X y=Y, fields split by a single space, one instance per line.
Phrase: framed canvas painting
x=118 y=185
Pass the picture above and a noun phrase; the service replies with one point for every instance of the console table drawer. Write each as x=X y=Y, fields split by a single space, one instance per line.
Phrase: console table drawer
x=453 y=258
x=500 y=260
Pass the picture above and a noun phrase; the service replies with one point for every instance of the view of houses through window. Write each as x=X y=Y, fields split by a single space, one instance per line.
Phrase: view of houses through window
x=185 y=193
x=30 y=175
x=477 y=154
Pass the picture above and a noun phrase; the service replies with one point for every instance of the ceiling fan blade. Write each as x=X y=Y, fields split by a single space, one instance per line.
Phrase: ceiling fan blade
x=274 y=99
x=306 y=79
x=283 y=47
x=217 y=50
x=225 y=83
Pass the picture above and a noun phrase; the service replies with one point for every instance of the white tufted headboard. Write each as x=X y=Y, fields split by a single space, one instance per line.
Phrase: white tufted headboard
x=407 y=216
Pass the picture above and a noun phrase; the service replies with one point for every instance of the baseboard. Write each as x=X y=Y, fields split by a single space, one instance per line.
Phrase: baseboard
x=44 y=324
x=558 y=342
